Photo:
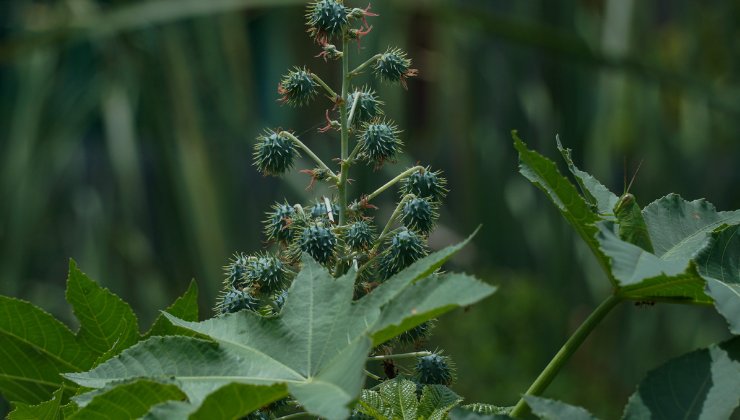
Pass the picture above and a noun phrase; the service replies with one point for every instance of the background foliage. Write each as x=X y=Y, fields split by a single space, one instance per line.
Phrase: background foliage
x=126 y=132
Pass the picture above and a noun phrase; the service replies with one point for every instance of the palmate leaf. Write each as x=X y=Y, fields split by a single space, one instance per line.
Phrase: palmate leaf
x=318 y=346
x=681 y=232
x=719 y=265
x=544 y=174
x=704 y=384
x=127 y=401
x=397 y=399
x=35 y=347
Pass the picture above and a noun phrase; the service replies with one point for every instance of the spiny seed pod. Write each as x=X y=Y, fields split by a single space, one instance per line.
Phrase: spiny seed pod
x=274 y=153
x=434 y=369
x=268 y=272
x=404 y=248
x=379 y=141
x=325 y=19
x=368 y=106
x=279 y=301
x=360 y=235
x=319 y=242
x=236 y=271
x=297 y=87
x=278 y=222
x=419 y=214
x=417 y=334
x=393 y=66
x=235 y=300
x=319 y=211
x=425 y=184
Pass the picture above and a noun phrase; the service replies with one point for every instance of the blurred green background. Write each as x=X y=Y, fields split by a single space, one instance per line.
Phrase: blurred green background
x=126 y=130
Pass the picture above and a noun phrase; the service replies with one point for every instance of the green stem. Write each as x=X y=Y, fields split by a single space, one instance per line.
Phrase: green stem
x=362 y=66
x=326 y=87
x=372 y=375
x=390 y=183
x=400 y=355
x=310 y=153
x=344 y=138
x=292 y=416
x=562 y=356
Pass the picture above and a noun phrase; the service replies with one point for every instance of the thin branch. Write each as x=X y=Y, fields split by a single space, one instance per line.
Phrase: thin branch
x=390 y=183
x=310 y=153
x=326 y=87
x=362 y=66
x=400 y=356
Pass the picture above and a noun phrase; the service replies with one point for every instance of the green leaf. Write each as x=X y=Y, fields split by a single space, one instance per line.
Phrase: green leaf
x=680 y=228
x=436 y=401
x=642 y=275
x=544 y=174
x=394 y=399
x=318 y=345
x=719 y=265
x=400 y=395
x=555 y=410
x=127 y=401
x=427 y=299
x=107 y=323
x=47 y=410
x=461 y=413
x=681 y=232
x=34 y=348
x=226 y=403
x=701 y=384
x=600 y=198
x=311 y=347
x=185 y=307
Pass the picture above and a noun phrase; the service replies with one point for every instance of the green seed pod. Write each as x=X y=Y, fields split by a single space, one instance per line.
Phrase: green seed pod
x=417 y=334
x=360 y=235
x=404 y=248
x=434 y=369
x=235 y=300
x=368 y=106
x=279 y=301
x=379 y=141
x=325 y=19
x=319 y=242
x=425 y=184
x=393 y=66
x=297 y=87
x=419 y=214
x=268 y=273
x=278 y=222
x=236 y=271
x=273 y=153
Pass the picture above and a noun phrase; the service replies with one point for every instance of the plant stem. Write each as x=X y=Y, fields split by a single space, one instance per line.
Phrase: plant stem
x=326 y=87
x=400 y=355
x=372 y=375
x=390 y=183
x=310 y=153
x=362 y=66
x=344 y=138
x=562 y=356
x=292 y=416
